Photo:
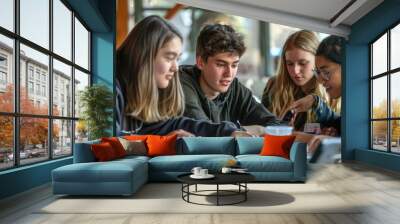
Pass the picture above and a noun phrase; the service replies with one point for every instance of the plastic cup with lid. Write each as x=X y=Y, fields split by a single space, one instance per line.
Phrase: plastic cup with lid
x=279 y=130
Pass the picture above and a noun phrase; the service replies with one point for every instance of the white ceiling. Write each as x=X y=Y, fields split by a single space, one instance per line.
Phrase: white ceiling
x=316 y=15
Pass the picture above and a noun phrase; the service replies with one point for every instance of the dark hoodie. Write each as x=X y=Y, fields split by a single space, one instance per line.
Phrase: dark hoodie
x=237 y=105
x=130 y=125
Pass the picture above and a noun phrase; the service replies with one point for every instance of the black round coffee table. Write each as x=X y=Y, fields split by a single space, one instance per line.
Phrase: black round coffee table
x=238 y=179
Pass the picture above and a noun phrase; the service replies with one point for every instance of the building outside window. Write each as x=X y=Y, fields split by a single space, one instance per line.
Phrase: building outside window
x=57 y=127
x=385 y=95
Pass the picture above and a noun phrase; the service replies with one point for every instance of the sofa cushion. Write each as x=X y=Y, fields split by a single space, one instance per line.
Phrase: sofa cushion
x=116 y=145
x=112 y=171
x=206 y=145
x=135 y=137
x=277 y=145
x=161 y=145
x=118 y=177
x=257 y=163
x=249 y=145
x=134 y=147
x=103 y=152
x=185 y=163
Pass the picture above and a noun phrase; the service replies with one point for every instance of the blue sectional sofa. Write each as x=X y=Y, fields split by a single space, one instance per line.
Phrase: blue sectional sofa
x=125 y=176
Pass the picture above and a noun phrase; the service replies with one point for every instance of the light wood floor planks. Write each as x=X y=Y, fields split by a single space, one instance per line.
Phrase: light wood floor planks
x=377 y=189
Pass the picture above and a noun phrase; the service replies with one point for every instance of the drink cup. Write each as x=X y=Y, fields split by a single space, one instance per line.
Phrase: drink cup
x=196 y=171
x=203 y=172
x=226 y=170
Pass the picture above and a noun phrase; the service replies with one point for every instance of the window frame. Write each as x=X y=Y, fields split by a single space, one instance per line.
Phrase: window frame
x=388 y=74
x=16 y=114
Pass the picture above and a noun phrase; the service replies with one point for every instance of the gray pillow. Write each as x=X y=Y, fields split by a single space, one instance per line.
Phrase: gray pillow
x=133 y=147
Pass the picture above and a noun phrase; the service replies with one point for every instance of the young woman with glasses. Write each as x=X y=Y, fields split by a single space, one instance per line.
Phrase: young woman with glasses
x=328 y=72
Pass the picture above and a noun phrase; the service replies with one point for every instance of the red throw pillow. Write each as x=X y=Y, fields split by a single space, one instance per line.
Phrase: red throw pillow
x=277 y=145
x=103 y=152
x=116 y=145
x=161 y=145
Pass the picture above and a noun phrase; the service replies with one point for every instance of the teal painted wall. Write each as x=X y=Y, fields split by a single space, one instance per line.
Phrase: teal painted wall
x=356 y=86
x=99 y=15
x=24 y=178
x=103 y=48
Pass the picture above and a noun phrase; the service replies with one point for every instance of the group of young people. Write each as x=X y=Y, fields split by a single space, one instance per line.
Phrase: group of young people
x=157 y=96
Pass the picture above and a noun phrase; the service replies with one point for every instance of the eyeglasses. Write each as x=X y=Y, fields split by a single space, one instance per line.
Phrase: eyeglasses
x=323 y=74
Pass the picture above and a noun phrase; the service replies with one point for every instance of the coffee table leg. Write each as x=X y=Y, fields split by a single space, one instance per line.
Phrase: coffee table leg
x=245 y=191
x=217 y=194
x=196 y=188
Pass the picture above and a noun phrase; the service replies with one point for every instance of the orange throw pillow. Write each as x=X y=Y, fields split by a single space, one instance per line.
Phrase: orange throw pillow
x=116 y=145
x=135 y=137
x=103 y=152
x=277 y=145
x=161 y=145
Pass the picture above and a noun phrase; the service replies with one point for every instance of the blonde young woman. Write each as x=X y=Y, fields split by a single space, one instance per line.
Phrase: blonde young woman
x=149 y=94
x=294 y=79
x=328 y=72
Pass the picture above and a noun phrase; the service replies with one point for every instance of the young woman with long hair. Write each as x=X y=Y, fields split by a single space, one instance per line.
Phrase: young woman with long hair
x=149 y=94
x=294 y=79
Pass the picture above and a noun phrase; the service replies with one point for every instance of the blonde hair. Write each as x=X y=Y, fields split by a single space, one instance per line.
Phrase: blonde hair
x=335 y=104
x=284 y=89
x=135 y=72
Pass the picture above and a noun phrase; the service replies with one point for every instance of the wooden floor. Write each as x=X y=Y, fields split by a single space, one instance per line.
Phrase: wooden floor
x=377 y=188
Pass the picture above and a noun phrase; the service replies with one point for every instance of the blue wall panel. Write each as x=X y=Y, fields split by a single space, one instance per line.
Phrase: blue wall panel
x=356 y=86
x=102 y=58
x=24 y=178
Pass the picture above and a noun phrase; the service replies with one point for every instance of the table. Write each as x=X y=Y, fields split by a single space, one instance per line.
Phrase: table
x=238 y=179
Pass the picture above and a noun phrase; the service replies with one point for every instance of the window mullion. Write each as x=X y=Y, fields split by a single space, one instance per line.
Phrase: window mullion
x=371 y=89
x=73 y=82
x=389 y=106
x=16 y=84
x=50 y=81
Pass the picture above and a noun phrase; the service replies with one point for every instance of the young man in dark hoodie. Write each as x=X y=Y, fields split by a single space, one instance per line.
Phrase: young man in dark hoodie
x=211 y=89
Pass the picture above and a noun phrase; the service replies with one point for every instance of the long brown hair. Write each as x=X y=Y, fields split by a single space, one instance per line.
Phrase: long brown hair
x=284 y=90
x=135 y=72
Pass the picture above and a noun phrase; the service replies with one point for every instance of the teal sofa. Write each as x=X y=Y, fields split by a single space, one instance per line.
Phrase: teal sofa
x=125 y=176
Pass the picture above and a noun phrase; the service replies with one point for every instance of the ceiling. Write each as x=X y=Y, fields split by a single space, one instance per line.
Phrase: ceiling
x=327 y=16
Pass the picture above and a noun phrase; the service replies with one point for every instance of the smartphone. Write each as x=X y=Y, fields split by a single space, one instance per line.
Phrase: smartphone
x=288 y=116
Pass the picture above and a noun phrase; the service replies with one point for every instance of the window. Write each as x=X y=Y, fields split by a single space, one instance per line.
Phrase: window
x=3 y=61
x=39 y=80
x=30 y=72
x=3 y=78
x=385 y=96
x=30 y=87
x=38 y=89
x=37 y=74
x=3 y=72
x=43 y=90
x=43 y=77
